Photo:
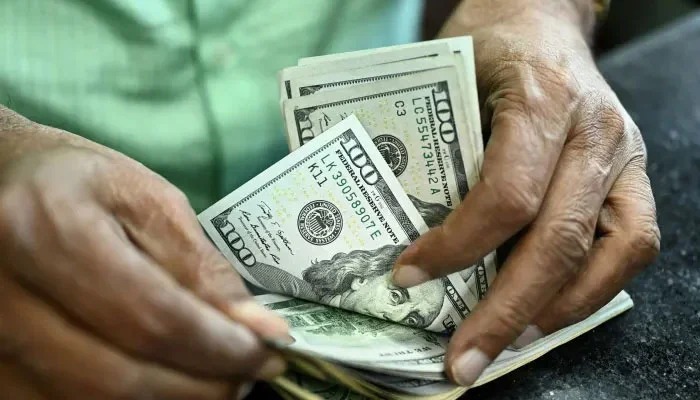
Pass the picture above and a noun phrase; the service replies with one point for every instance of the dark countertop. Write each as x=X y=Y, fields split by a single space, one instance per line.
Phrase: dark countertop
x=653 y=350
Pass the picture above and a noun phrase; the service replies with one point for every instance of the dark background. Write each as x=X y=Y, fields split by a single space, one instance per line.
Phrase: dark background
x=631 y=18
x=627 y=19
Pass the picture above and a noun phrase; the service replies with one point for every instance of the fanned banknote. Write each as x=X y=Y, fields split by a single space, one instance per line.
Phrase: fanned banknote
x=414 y=102
x=326 y=224
x=388 y=380
x=462 y=46
x=303 y=80
x=350 y=337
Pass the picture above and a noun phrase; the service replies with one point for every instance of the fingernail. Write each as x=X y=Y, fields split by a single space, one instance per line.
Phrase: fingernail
x=280 y=343
x=244 y=390
x=467 y=368
x=262 y=321
x=408 y=276
x=530 y=335
x=273 y=367
x=288 y=340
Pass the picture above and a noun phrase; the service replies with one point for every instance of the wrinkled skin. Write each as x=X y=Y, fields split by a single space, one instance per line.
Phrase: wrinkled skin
x=565 y=165
x=108 y=287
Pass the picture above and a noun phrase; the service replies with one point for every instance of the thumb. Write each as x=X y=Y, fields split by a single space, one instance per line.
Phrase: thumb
x=471 y=231
x=434 y=254
x=518 y=165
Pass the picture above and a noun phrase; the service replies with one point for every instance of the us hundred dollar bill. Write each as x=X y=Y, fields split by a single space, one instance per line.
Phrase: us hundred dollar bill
x=307 y=79
x=462 y=47
x=348 y=337
x=317 y=83
x=424 y=377
x=429 y=143
x=316 y=75
x=326 y=224
x=415 y=121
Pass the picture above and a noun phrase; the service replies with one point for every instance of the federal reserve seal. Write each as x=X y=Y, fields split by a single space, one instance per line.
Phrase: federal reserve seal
x=393 y=151
x=320 y=222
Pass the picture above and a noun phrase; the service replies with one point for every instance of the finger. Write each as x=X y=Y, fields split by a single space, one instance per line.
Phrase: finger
x=15 y=385
x=76 y=256
x=193 y=261
x=518 y=165
x=630 y=241
x=65 y=363
x=543 y=261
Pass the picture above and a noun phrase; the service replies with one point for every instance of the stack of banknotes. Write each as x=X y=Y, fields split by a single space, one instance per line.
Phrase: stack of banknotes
x=383 y=144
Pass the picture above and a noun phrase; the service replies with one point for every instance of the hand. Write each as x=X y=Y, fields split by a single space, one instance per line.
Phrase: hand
x=110 y=290
x=565 y=163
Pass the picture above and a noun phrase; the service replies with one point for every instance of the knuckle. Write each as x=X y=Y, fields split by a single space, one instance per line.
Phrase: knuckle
x=535 y=85
x=193 y=275
x=507 y=320
x=155 y=334
x=645 y=242
x=602 y=125
x=172 y=208
x=216 y=281
x=511 y=104
x=568 y=239
x=580 y=312
x=177 y=198
x=637 y=152
x=179 y=214
x=577 y=308
x=517 y=201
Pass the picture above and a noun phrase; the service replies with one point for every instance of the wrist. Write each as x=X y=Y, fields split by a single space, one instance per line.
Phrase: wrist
x=20 y=136
x=575 y=17
x=16 y=136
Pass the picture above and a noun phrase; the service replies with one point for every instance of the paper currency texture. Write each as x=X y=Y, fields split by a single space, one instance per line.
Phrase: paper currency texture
x=326 y=224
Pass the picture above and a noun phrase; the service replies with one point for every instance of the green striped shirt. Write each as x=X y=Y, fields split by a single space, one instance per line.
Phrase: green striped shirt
x=188 y=87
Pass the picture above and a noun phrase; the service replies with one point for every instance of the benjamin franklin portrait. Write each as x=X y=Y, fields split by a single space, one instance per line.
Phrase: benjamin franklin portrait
x=359 y=281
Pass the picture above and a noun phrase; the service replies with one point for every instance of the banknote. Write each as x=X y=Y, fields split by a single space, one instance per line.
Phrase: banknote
x=479 y=276
x=426 y=50
x=314 y=389
x=430 y=367
x=312 y=83
x=294 y=81
x=326 y=224
x=415 y=122
x=461 y=46
x=350 y=337
x=430 y=167
x=331 y=72
x=424 y=377
x=382 y=55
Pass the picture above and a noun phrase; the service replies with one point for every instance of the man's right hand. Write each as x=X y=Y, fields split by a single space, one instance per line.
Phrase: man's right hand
x=108 y=287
